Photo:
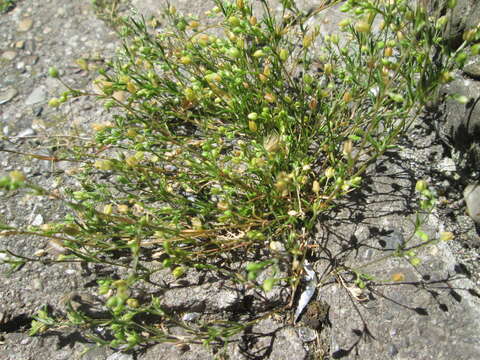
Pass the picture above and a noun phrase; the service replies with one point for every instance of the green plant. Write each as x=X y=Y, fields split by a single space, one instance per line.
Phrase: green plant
x=6 y=5
x=227 y=142
x=108 y=11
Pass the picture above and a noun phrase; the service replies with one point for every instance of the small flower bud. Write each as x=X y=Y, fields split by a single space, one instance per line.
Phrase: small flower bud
x=347 y=148
x=347 y=97
x=107 y=209
x=469 y=35
x=328 y=68
x=316 y=187
x=329 y=173
x=186 y=60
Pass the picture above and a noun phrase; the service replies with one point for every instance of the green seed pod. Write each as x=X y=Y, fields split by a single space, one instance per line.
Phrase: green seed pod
x=254 y=267
x=268 y=284
x=421 y=186
x=178 y=272
x=475 y=49
x=133 y=303
x=53 y=72
x=234 y=53
x=283 y=54
x=451 y=4
x=233 y=21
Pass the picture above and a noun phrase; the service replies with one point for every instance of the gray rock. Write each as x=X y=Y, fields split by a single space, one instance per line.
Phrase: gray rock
x=9 y=55
x=287 y=345
x=393 y=240
x=472 y=68
x=464 y=16
x=213 y=297
x=38 y=95
x=191 y=316
x=405 y=310
x=26 y=132
x=7 y=95
x=306 y=334
x=120 y=356
x=471 y=195
x=170 y=351
x=38 y=220
x=462 y=121
x=447 y=165
x=25 y=24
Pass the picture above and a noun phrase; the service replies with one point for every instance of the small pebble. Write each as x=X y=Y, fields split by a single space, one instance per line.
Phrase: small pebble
x=472 y=68
x=26 y=132
x=25 y=24
x=190 y=316
x=472 y=199
x=38 y=220
x=40 y=253
x=37 y=284
x=447 y=165
x=7 y=95
x=120 y=356
x=306 y=334
x=20 y=44
x=38 y=95
x=9 y=55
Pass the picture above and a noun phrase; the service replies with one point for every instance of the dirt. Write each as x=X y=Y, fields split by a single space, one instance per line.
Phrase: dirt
x=36 y=35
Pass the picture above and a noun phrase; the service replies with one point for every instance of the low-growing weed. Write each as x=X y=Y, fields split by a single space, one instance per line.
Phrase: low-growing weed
x=228 y=139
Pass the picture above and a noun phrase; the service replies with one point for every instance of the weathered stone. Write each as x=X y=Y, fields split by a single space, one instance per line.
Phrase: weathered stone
x=38 y=220
x=38 y=95
x=199 y=298
x=447 y=165
x=464 y=16
x=25 y=24
x=462 y=121
x=9 y=55
x=120 y=356
x=7 y=95
x=287 y=345
x=472 y=68
x=405 y=309
x=471 y=195
x=171 y=351
x=26 y=132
